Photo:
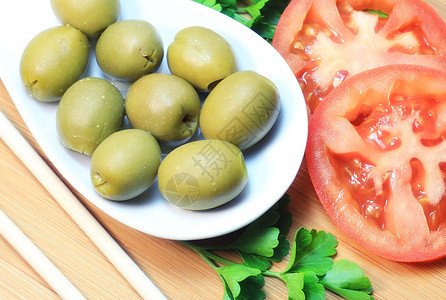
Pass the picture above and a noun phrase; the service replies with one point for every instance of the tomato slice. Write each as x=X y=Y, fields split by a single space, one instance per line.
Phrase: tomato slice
x=376 y=155
x=327 y=41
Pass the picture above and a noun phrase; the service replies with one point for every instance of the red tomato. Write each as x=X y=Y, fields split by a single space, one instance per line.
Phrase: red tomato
x=327 y=41
x=376 y=155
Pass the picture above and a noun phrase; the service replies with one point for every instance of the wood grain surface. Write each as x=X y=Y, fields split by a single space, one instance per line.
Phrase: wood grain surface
x=177 y=271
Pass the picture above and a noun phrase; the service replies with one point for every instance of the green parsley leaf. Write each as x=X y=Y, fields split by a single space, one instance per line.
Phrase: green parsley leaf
x=281 y=250
x=285 y=219
x=311 y=251
x=294 y=283
x=235 y=279
x=261 y=241
x=262 y=237
x=347 y=280
x=258 y=238
x=312 y=288
x=255 y=261
x=283 y=224
x=251 y=289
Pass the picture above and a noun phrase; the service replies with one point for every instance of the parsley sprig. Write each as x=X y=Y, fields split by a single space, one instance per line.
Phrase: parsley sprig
x=309 y=272
x=259 y=15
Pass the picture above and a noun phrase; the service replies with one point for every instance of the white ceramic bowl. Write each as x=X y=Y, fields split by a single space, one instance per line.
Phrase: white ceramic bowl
x=272 y=164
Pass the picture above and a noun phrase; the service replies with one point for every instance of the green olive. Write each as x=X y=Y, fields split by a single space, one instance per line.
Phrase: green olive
x=241 y=109
x=89 y=16
x=52 y=61
x=129 y=49
x=89 y=111
x=125 y=164
x=201 y=56
x=202 y=174
x=165 y=105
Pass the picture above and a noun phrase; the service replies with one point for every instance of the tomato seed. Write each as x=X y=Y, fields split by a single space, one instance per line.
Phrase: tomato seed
x=310 y=31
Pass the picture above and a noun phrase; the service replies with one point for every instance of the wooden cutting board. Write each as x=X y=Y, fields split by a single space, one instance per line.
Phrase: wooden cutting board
x=177 y=271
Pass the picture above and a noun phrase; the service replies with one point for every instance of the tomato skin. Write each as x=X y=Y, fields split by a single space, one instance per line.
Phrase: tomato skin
x=337 y=144
x=393 y=41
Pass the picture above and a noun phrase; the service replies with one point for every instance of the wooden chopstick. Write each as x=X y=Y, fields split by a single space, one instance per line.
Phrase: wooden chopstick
x=69 y=202
x=41 y=264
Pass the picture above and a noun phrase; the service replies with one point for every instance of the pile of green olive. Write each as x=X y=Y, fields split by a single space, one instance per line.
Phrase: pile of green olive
x=239 y=106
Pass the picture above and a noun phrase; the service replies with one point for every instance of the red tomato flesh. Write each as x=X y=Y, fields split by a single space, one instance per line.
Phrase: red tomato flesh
x=327 y=41
x=376 y=155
